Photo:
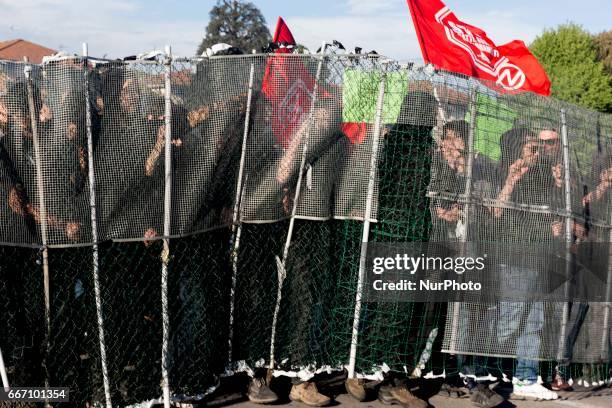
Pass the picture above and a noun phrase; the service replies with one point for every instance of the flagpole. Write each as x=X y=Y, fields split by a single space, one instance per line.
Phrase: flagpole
x=280 y=264
x=366 y=224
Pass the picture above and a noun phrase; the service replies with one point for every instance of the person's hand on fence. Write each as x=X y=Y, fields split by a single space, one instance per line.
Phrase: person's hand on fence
x=557 y=228
x=72 y=131
x=450 y=215
x=557 y=173
x=3 y=114
x=197 y=116
x=45 y=114
x=605 y=181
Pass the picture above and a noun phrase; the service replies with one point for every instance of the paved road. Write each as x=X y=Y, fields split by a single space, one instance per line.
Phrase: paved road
x=593 y=399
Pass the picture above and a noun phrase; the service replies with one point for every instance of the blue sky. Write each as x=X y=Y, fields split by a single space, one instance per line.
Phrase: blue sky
x=121 y=27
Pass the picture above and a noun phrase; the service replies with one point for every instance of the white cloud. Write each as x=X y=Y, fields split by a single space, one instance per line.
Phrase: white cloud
x=365 y=7
x=387 y=27
x=391 y=36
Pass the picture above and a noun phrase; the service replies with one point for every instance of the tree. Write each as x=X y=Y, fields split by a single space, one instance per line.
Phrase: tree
x=603 y=42
x=238 y=23
x=569 y=56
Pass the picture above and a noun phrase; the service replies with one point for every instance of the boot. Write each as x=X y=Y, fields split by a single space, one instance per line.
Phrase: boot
x=260 y=393
x=307 y=393
x=400 y=395
x=355 y=387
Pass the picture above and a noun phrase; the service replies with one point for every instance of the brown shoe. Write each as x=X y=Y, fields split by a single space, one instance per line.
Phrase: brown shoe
x=260 y=393
x=559 y=384
x=307 y=393
x=355 y=387
x=400 y=395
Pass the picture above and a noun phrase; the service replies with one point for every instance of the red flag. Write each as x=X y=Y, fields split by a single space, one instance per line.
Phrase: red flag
x=282 y=34
x=289 y=87
x=450 y=44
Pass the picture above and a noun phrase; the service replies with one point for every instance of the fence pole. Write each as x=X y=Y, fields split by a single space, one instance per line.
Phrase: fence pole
x=94 y=231
x=5 y=382
x=568 y=232
x=608 y=303
x=366 y=223
x=281 y=263
x=465 y=213
x=43 y=218
x=165 y=256
x=606 y=318
x=236 y=225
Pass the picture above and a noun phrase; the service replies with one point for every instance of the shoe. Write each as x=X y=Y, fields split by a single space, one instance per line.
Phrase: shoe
x=532 y=391
x=260 y=393
x=308 y=393
x=400 y=395
x=451 y=391
x=484 y=397
x=559 y=384
x=355 y=387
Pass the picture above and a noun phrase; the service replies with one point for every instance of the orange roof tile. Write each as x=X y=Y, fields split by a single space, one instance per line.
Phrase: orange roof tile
x=17 y=49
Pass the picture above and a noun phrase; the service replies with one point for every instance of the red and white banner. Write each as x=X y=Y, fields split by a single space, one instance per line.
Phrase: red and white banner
x=288 y=87
x=450 y=44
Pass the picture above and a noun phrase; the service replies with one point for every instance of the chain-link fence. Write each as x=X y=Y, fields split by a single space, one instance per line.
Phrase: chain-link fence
x=170 y=221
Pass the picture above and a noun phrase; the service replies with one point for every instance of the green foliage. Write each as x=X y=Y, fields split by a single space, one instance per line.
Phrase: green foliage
x=569 y=56
x=238 y=23
x=603 y=42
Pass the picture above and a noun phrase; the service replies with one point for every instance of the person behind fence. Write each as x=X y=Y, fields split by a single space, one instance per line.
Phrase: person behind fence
x=530 y=168
x=326 y=143
x=403 y=173
x=19 y=158
x=450 y=178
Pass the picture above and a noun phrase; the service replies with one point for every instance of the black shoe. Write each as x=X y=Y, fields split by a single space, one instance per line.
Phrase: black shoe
x=260 y=393
x=484 y=397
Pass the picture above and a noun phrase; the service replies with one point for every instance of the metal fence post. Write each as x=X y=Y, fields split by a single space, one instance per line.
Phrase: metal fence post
x=43 y=217
x=165 y=256
x=465 y=213
x=605 y=336
x=236 y=224
x=3 y=376
x=568 y=232
x=281 y=263
x=366 y=223
x=94 y=230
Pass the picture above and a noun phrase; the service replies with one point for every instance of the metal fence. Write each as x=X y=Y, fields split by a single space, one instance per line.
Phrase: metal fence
x=179 y=219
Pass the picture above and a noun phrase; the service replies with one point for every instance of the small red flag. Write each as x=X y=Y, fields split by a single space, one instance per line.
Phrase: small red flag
x=450 y=44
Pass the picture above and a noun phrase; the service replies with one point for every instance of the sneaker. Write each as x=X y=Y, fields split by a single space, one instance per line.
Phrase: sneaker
x=484 y=397
x=260 y=393
x=400 y=395
x=532 y=391
x=355 y=387
x=559 y=383
x=308 y=393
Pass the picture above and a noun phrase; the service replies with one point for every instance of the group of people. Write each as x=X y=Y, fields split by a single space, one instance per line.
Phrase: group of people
x=529 y=171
